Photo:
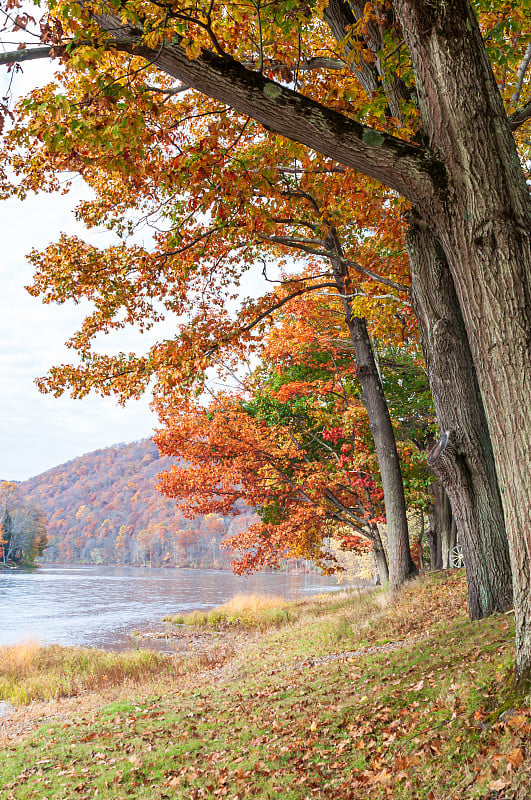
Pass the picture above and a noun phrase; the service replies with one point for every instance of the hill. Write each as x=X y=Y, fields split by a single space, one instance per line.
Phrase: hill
x=103 y=508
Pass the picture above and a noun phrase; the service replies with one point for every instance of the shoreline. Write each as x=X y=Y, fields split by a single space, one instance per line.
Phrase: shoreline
x=214 y=651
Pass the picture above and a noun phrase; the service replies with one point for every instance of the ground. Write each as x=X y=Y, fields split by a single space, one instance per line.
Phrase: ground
x=354 y=696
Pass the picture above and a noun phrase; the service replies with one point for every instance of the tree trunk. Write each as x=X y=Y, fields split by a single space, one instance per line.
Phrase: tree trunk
x=382 y=566
x=380 y=556
x=420 y=540
x=470 y=479
x=449 y=543
x=440 y=526
x=401 y=565
x=432 y=535
x=468 y=186
x=482 y=217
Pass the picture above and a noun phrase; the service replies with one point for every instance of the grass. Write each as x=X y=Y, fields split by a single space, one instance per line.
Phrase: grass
x=244 y=611
x=261 y=612
x=417 y=722
x=30 y=671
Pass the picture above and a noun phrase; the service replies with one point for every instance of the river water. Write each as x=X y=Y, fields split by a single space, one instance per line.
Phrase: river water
x=92 y=606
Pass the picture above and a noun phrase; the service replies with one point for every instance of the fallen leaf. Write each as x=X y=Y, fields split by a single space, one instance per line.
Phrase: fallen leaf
x=515 y=757
x=499 y=784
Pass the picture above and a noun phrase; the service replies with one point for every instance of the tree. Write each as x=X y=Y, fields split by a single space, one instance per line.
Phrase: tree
x=255 y=167
x=22 y=529
x=7 y=532
x=293 y=441
x=459 y=170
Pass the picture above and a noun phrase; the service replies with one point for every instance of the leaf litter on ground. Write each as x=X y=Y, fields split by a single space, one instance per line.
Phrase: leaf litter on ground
x=430 y=719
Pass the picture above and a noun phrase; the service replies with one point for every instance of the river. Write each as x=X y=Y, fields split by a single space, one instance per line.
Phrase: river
x=91 y=606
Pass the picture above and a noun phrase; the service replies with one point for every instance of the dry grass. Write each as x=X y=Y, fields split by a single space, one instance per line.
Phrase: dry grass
x=252 y=604
x=261 y=612
x=243 y=610
x=428 y=720
x=29 y=671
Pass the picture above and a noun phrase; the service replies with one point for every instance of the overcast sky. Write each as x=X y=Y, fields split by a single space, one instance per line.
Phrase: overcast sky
x=38 y=432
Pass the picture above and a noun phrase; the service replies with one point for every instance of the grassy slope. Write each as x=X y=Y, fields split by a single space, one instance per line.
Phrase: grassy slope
x=420 y=721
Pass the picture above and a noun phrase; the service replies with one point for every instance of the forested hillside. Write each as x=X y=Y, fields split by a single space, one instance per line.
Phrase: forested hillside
x=103 y=508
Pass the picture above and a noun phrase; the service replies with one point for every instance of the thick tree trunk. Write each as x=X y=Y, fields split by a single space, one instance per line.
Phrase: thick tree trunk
x=483 y=220
x=467 y=473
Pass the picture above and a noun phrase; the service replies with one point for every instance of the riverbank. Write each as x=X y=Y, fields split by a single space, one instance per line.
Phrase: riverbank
x=359 y=697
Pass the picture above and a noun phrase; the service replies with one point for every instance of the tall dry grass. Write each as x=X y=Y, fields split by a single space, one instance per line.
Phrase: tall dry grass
x=256 y=611
x=30 y=671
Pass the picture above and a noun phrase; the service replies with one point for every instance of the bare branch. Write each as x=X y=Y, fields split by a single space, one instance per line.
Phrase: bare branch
x=300 y=244
x=520 y=74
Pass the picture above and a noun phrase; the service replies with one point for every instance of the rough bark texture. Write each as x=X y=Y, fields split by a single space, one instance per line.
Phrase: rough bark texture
x=483 y=222
x=467 y=472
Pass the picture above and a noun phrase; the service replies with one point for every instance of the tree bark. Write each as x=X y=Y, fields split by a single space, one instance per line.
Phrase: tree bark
x=382 y=565
x=420 y=539
x=468 y=472
x=483 y=222
x=380 y=555
x=440 y=526
x=401 y=565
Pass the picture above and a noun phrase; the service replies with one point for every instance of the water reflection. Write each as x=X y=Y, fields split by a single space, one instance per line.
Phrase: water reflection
x=101 y=606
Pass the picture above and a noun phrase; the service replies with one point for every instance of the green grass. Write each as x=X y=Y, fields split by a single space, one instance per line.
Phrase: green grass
x=408 y=724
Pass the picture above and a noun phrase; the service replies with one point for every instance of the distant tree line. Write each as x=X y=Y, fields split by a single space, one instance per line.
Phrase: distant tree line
x=104 y=508
x=22 y=528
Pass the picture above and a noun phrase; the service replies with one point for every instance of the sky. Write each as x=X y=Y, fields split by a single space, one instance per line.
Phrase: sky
x=38 y=432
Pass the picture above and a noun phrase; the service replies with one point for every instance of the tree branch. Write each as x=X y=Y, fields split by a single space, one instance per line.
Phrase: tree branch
x=301 y=244
x=27 y=54
x=520 y=116
x=404 y=167
x=520 y=75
